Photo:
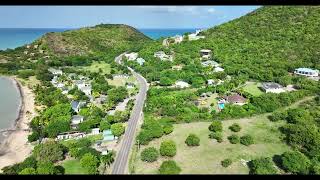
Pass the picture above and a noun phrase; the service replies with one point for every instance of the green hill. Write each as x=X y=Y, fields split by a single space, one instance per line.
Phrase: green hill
x=100 y=38
x=269 y=41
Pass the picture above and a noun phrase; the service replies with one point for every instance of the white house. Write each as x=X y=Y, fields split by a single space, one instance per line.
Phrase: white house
x=194 y=36
x=181 y=84
x=131 y=56
x=76 y=119
x=271 y=87
x=306 y=72
x=178 y=39
x=210 y=82
x=55 y=71
x=95 y=131
x=163 y=56
x=70 y=135
x=86 y=90
x=218 y=69
x=205 y=53
x=141 y=61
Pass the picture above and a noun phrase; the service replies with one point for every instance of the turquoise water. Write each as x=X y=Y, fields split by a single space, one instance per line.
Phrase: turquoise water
x=9 y=104
x=12 y=37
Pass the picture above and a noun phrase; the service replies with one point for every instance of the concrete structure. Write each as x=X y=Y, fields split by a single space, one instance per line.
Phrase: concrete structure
x=235 y=99
x=181 y=84
x=205 y=53
x=95 y=131
x=131 y=56
x=163 y=56
x=178 y=39
x=218 y=69
x=108 y=136
x=70 y=135
x=86 y=90
x=210 y=82
x=306 y=72
x=210 y=63
x=271 y=87
x=55 y=71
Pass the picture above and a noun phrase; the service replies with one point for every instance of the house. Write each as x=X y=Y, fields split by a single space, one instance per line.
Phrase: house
x=75 y=120
x=141 y=61
x=59 y=85
x=131 y=56
x=28 y=46
x=163 y=56
x=70 y=135
x=194 y=36
x=306 y=72
x=177 y=67
x=218 y=69
x=120 y=76
x=235 y=99
x=178 y=39
x=54 y=80
x=165 y=42
x=210 y=63
x=64 y=90
x=41 y=51
x=76 y=105
x=101 y=99
x=205 y=53
x=25 y=52
x=271 y=87
x=55 y=71
x=108 y=136
x=95 y=131
x=35 y=46
x=210 y=82
x=181 y=84
x=87 y=89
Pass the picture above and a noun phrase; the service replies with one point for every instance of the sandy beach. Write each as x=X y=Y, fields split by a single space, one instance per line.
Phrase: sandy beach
x=15 y=148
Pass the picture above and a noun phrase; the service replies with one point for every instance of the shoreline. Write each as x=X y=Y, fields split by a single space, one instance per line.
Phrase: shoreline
x=15 y=146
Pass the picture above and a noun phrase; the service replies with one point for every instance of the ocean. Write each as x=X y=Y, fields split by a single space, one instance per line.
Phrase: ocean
x=15 y=37
x=9 y=104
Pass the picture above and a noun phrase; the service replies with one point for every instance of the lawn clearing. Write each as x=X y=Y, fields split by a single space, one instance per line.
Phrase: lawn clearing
x=206 y=159
x=210 y=100
x=96 y=66
x=253 y=88
x=73 y=166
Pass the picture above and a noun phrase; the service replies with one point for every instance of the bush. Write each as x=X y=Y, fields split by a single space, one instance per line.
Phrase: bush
x=150 y=154
x=167 y=129
x=215 y=126
x=169 y=167
x=246 y=140
x=168 y=148
x=235 y=127
x=28 y=171
x=46 y=168
x=277 y=116
x=90 y=162
x=144 y=137
x=34 y=136
x=234 y=139
x=226 y=162
x=117 y=129
x=262 y=166
x=49 y=151
x=295 y=162
x=192 y=140
x=216 y=135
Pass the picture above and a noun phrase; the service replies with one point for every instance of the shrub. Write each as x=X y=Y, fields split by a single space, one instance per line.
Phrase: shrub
x=192 y=140
x=215 y=126
x=150 y=154
x=235 y=127
x=168 y=148
x=167 y=129
x=45 y=168
x=277 y=116
x=169 y=167
x=28 y=171
x=262 y=166
x=295 y=162
x=117 y=129
x=90 y=162
x=144 y=137
x=246 y=140
x=226 y=162
x=216 y=135
x=34 y=136
x=49 y=151
x=234 y=139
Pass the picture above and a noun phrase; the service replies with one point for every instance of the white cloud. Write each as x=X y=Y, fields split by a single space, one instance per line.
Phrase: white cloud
x=211 y=10
x=194 y=10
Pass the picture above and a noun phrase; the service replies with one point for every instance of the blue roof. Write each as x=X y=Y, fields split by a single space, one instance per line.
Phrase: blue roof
x=107 y=132
x=74 y=104
x=307 y=70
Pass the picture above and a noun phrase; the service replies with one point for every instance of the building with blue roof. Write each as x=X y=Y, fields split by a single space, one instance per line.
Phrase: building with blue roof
x=108 y=136
x=306 y=72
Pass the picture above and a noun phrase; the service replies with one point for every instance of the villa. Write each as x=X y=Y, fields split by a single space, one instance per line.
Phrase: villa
x=210 y=82
x=64 y=90
x=271 y=87
x=163 y=56
x=76 y=119
x=95 y=131
x=76 y=105
x=55 y=71
x=235 y=99
x=210 y=63
x=181 y=84
x=178 y=39
x=141 y=61
x=108 y=136
x=86 y=90
x=131 y=56
x=306 y=72
x=194 y=36
x=70 y=135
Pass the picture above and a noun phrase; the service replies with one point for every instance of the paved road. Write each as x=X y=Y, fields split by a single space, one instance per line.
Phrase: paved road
x=121 y=162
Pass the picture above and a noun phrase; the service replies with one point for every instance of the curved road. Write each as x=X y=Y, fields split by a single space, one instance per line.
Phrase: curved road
x=120 y=164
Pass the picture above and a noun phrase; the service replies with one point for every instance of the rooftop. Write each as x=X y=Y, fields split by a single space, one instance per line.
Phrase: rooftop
x=235 y=98
x=271 y=85
x=307 y=70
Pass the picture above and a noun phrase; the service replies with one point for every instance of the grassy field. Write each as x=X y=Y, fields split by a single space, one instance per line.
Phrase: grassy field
x=120 y=81
x=96 y=66
x=73 y=167
x=206 y=158
x=252 y=88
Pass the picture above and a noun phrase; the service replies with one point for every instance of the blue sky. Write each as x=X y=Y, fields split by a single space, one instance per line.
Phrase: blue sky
x=136 y=16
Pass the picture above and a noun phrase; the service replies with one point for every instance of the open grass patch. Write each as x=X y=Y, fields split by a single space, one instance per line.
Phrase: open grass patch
x=73 y=166
x=253 y=88
x=98 y=67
